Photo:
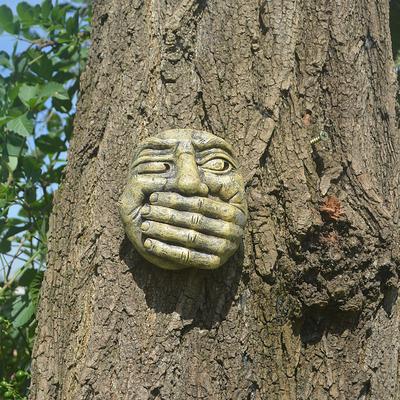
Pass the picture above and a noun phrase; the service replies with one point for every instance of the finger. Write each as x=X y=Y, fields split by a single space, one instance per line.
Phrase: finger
x=194 y=221
x=203 y=205
x=134 y=195
x=181 y=255
x=188 y=238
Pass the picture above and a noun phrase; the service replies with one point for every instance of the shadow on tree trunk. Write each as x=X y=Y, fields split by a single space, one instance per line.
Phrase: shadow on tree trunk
x=201 y=298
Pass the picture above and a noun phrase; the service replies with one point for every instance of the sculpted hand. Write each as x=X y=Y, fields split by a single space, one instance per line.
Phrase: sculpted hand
x=194 y=231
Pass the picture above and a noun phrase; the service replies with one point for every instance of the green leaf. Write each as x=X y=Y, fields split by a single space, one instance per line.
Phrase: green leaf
x=5 y=60
x=6 y=19
x=4 y=195
x=27 y=277
x=62 y=105
x=31 y=167
x=21 y=125
x=16 y=27
x=12 y=163
x=26 y=14
x=14 y=229
x=69 y=127
x=4 y=120
x=30 y=195
x=37 y=11
x=5 y=246
x=21 y=64
x=42 y=66
x=63 y=77
x=47 y=6
x=15 y=144
x=54 y=175
x=13 y=93
x=53 y=89
x=58 y=14
x=28 y=95
x=73 y=24
x=54 y=122
x=30 y=34
x=22 y=312
x=34 y=287
x=50 y=144
x=13 y=150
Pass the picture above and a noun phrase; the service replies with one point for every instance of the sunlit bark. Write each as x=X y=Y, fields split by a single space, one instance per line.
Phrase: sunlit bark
x=308 y=308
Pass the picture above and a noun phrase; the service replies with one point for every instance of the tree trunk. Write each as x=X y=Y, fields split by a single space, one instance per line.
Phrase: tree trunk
x=308 y=307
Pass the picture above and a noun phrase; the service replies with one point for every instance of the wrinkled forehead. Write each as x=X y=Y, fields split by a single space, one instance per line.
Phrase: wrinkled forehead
x=170 y=139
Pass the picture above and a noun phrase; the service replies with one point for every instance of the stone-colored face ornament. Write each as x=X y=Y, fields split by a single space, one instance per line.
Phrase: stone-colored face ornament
x=184 y=205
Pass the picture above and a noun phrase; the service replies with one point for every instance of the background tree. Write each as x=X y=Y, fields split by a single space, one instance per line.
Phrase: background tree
x=308 y=309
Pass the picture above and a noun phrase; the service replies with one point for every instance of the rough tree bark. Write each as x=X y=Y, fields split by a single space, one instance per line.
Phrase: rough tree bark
x=307 y=309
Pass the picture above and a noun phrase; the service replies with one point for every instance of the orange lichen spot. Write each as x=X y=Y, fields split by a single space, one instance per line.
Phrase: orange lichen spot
x=332 y=209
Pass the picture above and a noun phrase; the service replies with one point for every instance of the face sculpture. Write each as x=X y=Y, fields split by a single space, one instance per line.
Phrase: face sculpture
x=184 y=205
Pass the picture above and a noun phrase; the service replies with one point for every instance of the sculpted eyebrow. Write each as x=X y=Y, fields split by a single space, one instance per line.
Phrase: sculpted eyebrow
x=152 y=149
x=151 y=156
x=157 y=144
x=213 y=144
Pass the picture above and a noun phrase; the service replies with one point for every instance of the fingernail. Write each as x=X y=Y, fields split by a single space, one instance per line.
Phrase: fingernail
x=147 y=243
x=154 y=197
x=145 y=209
x=145 y=226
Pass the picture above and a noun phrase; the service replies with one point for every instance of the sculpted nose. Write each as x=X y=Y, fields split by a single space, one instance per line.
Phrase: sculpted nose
x=188 y=180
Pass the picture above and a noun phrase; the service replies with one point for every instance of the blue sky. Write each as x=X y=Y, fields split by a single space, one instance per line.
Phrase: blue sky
x=6 y=40
x=12 y=3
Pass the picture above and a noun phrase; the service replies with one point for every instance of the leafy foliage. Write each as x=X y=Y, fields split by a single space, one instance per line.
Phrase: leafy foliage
x=39 y=82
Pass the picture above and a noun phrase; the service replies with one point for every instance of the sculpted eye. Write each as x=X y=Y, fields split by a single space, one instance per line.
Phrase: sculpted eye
x=153 y=167
x=217 y=165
